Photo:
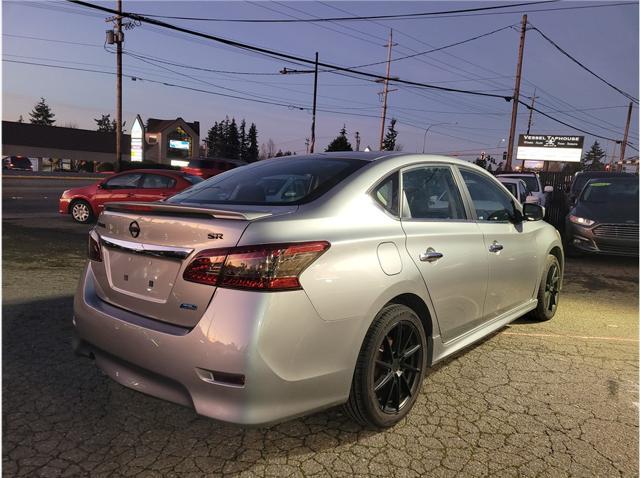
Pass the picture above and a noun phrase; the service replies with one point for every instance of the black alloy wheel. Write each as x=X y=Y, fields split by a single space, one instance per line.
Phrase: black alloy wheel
x=398 y=365
x=548 y=290
x=390 y=368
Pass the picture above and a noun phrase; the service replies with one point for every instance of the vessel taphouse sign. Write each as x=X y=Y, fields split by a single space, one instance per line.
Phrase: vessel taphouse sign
x=546 y=147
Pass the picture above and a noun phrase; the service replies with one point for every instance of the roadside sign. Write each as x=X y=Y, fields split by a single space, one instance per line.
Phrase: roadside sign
x=545 y=147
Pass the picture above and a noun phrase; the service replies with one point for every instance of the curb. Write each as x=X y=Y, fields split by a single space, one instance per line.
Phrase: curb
x=4 y=177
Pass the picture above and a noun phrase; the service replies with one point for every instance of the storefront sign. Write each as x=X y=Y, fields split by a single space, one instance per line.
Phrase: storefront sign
x=536 y=147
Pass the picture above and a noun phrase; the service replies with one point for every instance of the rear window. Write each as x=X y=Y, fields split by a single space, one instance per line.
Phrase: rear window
x=272 y=182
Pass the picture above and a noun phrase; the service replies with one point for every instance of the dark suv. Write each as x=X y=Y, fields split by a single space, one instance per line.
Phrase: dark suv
x=604 y=218
x=17 y=163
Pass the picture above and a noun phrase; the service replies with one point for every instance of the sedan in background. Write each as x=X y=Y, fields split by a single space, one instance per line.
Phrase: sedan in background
x=604 y=218
x=86 y=203
x=295 y=284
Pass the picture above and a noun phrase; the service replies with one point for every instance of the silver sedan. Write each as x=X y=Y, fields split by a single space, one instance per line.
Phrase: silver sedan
x=296 y=284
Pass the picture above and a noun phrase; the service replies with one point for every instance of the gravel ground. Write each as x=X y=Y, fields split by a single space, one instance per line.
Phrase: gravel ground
x=553 y=399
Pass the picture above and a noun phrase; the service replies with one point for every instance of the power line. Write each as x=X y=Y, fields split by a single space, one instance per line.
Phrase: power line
x=338 y=19
x=266 y=51
x=584 y=67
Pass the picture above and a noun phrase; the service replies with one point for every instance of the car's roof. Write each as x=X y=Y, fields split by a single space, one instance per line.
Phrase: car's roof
x=515 y=175
x=379 y=156
x=147 y=171
x=507 y=179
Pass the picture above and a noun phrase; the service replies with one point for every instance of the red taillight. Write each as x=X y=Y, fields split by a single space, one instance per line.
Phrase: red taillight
x=95 y=254
x=270 y=267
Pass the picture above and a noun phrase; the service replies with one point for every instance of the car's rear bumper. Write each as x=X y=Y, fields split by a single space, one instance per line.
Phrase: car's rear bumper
x=63 y=206
x=585 y=240
x=253 y=358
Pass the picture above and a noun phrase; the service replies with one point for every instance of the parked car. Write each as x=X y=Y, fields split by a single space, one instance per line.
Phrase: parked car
x=86 y=203
x=582 y=177
x=254 y=308
x=532 y=180
x=518 y=188
x=604 y=218
x=17 y=163
x=206 y=168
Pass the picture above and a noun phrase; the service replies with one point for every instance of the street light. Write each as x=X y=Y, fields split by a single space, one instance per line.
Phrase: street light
x=424 y=141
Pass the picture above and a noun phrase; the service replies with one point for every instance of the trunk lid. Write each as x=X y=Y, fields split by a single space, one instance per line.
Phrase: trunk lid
x=146 y=247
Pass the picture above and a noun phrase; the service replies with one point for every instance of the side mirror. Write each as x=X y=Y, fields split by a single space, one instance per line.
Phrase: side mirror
x=548 y=189
x=101 y=186
x=532 y=212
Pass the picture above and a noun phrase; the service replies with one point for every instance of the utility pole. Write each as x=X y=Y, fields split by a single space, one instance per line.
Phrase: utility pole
x=533 y=102
x=306 y=145
x=626 y=135
x=357 y=141
x=386 y=88
x=286 y=71
x=119 y=39
x=315 y=96
x=516 y=94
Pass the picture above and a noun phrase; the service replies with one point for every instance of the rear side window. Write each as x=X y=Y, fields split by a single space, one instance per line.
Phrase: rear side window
x=386 y=194
x=430 y=192
x=299 y=180
x=490 y=202
x=125 y=181
x=157 y=181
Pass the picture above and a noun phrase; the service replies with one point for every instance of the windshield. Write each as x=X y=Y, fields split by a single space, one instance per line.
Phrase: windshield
x=272 y=182
x=602 y=191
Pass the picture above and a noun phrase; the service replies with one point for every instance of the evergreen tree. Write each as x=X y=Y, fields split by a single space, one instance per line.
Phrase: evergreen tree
x=341 y=143
x=20 y=119
x=105 y=124
x=244 y=141
x=252 y=149
x=592 y=159
x=233 y=140
x=389 y=143
x=42 y=114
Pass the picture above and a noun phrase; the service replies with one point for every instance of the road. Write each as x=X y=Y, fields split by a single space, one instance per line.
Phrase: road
x=552 y=399
x=31 y=197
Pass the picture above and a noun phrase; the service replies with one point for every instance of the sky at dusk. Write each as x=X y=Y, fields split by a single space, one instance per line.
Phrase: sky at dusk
x=59 y=33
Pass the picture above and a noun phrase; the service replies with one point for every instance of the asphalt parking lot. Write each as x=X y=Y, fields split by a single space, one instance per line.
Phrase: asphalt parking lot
x=552 y=399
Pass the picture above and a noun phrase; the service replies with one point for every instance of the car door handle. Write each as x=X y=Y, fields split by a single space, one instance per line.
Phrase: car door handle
x=495 y=247
x=430 y=255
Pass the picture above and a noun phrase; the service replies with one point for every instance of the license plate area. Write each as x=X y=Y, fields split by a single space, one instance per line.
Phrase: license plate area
x=140 y=276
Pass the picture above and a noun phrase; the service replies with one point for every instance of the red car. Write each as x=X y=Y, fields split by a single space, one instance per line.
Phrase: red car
x=205 y=168
x=87 y=202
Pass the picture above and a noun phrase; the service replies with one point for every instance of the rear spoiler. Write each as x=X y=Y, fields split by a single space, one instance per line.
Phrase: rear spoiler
x=163 y=209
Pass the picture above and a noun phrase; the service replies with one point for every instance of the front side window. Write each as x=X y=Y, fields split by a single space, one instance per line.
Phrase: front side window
x=273 y=182
x=490 y=202
x=157 y=181
x=430 y=192
x=125 y=181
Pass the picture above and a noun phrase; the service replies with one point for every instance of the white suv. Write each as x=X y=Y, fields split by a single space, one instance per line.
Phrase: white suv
x=532 y=180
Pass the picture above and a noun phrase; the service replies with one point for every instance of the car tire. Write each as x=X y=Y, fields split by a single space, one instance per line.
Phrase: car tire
x=81 y=211
x=549 y=290
x=390 y=368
